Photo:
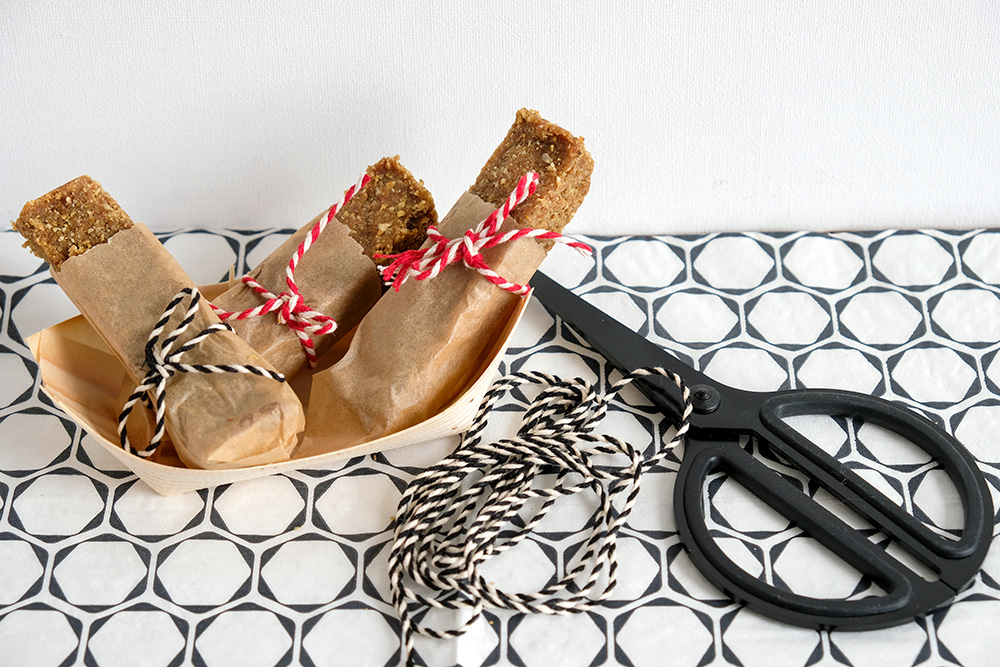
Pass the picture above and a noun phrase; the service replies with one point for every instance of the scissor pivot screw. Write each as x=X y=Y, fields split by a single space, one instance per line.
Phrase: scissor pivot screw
x=704 y=399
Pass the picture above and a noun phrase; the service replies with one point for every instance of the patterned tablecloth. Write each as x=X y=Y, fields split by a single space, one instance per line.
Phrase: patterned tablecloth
x=292 y=569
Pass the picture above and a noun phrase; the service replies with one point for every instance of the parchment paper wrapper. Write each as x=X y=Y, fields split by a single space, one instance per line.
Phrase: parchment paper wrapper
x=214 y=420
x=416 y=348
x=334 y=277
x=81 y=376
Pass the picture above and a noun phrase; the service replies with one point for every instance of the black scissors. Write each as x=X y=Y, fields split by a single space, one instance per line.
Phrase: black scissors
x=722 y=415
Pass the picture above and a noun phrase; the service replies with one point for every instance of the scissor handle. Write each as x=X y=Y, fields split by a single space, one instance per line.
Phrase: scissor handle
x=954 y=459
x=907 y=593
x=722 y=414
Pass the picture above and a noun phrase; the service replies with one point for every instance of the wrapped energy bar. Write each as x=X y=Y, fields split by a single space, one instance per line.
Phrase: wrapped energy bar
x=223 y=404
x=418 y=347
x=337 y=276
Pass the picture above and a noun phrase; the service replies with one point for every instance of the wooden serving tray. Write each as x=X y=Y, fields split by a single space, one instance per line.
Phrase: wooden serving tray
x=81 y=376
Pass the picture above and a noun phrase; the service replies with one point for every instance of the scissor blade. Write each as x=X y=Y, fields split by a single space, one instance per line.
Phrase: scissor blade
x=623 y=348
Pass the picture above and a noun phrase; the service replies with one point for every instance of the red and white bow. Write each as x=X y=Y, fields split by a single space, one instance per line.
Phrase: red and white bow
x=290 y=305
x=428 y=262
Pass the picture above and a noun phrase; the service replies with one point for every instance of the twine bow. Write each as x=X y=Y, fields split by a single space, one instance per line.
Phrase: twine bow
x=425 y=263
x=163 y=361
x=290 y=305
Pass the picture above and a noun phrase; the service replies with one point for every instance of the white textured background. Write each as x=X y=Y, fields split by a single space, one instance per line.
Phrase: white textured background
x=701 y=116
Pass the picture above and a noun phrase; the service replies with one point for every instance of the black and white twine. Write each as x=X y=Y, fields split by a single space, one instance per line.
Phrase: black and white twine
x=470 y=507
x=163 y=361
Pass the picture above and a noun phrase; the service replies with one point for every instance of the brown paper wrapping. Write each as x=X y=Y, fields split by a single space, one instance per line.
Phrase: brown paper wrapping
x=81 y=376
x=214 y=420
x=334 y=277
x=417 y=347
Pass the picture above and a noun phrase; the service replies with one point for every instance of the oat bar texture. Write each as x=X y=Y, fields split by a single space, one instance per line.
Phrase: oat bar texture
x=390 y=214
x=561 y=161
x=122 y=278
x=417 y=349
x=338 y=275
x=70 y=220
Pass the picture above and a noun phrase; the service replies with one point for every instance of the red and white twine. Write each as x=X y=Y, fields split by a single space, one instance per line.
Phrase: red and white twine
x=428 y=262
x=290 y=306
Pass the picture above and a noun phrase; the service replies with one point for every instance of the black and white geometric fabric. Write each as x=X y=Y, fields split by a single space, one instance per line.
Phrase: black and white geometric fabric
x=292 y=569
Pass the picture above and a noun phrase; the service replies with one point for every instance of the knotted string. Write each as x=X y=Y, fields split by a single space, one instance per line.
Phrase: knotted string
x=163 y=361
x=424 y=263
x=466 y=509
x=290 y=306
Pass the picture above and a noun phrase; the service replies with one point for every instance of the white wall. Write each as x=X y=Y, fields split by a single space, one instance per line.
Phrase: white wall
x=701 y=116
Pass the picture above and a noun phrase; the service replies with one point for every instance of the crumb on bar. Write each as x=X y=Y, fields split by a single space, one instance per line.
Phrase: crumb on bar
x=70 y=220
x=390 y=214
x=562 y=162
